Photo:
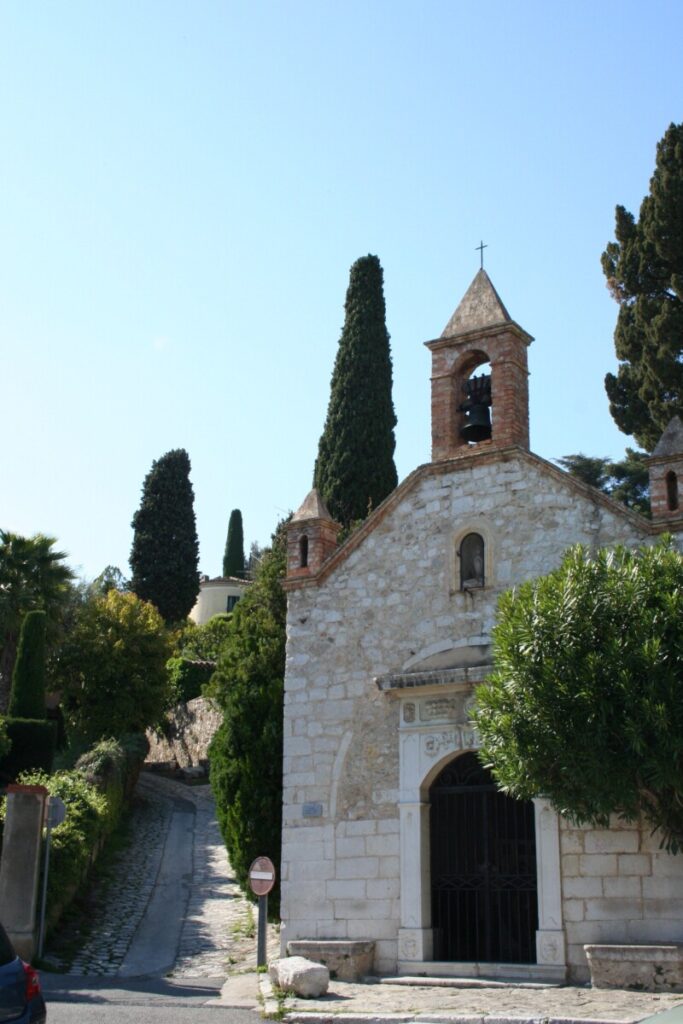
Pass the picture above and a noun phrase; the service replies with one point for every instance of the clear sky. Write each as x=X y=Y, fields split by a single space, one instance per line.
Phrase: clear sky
x=184 y=186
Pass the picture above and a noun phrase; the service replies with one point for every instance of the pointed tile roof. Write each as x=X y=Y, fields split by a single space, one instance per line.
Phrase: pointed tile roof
x=312 y=507
x=671 y=441
x=481 y=306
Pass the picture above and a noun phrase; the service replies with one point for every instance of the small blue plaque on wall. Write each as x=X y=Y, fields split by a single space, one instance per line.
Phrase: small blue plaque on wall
x=313 y=810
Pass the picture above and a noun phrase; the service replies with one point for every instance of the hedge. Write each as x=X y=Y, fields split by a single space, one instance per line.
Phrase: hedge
x=95 y=793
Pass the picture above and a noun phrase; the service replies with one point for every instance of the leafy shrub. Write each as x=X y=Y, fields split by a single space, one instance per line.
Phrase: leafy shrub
x=32 y=742
x=187 y=677
x=112 y=667
x=204 y=643
x=585 y=706
x=76 y=841
x=95 y=796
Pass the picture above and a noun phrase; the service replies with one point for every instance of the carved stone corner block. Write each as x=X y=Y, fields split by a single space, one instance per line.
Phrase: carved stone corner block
x=550 y=947
x=415 y=944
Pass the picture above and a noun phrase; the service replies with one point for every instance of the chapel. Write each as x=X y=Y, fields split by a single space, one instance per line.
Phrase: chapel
x=393 y=832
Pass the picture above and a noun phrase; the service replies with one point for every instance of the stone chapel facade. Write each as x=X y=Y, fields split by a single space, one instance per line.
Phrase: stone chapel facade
x=392 y=831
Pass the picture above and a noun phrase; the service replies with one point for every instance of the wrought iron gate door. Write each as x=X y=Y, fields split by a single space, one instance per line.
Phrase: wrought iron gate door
x=483 y=861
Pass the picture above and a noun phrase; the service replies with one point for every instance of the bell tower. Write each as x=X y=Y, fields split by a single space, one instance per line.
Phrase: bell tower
x=471 y=411
x=666 y=474
x=311 y=537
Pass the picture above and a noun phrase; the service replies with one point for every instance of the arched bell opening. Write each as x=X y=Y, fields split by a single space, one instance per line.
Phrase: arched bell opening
x=671 y=491
x=475 y=400
x=484 y=899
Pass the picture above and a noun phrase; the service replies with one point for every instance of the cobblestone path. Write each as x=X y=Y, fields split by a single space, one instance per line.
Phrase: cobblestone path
x=218 y=930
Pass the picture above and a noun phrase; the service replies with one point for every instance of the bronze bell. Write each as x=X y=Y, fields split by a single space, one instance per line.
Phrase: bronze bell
x=478 y=425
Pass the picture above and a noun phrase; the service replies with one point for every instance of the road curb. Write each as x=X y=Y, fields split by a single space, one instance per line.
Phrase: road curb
x=306 y=1017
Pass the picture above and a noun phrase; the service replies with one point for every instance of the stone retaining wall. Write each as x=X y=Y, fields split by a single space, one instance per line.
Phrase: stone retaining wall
x=191 y=728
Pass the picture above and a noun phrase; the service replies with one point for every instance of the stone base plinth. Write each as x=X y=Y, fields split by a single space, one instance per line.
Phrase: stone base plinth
x=640 y=968
x=346 y=960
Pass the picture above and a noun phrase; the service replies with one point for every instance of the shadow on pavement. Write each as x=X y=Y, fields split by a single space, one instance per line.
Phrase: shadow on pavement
x=74 y=989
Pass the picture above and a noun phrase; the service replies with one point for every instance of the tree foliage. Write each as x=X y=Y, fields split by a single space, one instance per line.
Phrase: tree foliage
x=233 y=558
x=627 y=480
x=204 y=643
x=585 y=705
x=27 y=698
x=112 y=667
x=355 y=468
x=111 y=578
x=644 y=271
x=33 y=576
x=246 y=751
x=165 y=554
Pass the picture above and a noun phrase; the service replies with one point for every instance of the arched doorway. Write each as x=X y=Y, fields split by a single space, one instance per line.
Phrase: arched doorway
x=483 y=868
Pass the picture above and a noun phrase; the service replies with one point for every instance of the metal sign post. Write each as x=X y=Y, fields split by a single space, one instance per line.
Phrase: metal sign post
x=56 y=814
x=262 y=880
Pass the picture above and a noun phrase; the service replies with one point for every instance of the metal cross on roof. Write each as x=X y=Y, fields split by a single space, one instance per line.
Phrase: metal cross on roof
x=480 y=249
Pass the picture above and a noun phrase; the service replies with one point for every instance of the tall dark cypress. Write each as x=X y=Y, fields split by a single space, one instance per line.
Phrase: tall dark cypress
x=644 y=271
x=355 y=468
x=27 y=699
x=165 y=555
x=233 y=558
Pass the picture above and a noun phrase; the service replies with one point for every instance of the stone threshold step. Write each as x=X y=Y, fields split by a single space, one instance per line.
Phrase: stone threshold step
x=479 y=982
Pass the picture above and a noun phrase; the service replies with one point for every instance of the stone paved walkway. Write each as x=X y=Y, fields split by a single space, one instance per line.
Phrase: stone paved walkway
x=218 y=930
x=450 y=1003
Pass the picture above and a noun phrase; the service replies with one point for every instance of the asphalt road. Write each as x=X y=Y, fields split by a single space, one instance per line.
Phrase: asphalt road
x=73 y=1000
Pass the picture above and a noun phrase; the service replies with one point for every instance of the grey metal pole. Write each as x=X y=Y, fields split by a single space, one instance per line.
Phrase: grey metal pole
x=262 y=922
x=41 y=934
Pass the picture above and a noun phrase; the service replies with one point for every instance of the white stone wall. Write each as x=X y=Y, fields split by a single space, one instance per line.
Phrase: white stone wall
x=618 y=886
x=394 y=605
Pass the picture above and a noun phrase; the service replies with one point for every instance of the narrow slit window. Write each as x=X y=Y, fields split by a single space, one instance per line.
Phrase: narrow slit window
x=672 y=491
x=471 y=561
x=303 y=552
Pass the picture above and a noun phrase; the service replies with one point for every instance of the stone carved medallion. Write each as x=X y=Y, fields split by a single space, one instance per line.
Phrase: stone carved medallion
x=468 y=707
x=409 y=712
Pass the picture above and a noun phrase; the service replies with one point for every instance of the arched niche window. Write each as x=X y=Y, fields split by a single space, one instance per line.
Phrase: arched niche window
x=472 y=562
x=303 y=552
x=671 y=491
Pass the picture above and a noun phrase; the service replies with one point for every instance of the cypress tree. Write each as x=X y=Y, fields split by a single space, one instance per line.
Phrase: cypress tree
x=644 y=271
x=355 y=468
x=233 y=558
x=245 y=755
x=165 y=554
x=27 y=699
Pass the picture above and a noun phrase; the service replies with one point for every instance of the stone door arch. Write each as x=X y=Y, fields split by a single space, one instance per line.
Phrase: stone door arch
x=483 y=868
x=423 y=753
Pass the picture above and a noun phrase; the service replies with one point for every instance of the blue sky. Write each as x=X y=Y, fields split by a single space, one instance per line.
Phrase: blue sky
x=184 y=186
